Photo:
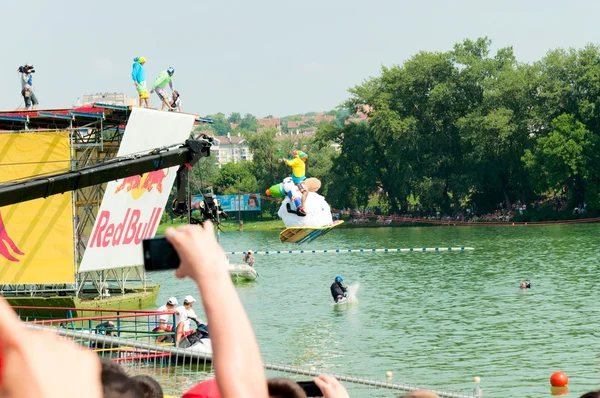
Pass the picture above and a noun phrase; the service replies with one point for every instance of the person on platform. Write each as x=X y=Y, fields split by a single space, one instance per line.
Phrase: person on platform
x=163 y=320
x=138 y=74
x=175 y=102
x=27 y=86
x=160 y=86
x=338 y=290
x=297 y=163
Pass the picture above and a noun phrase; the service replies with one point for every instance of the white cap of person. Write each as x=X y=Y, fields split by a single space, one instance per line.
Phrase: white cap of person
x=172 y=301
x=189 y=300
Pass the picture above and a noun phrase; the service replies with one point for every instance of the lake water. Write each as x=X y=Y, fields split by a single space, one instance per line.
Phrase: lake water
x=433 y=319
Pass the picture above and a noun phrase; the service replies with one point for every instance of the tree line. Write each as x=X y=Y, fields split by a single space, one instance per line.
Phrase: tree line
x=455 y=129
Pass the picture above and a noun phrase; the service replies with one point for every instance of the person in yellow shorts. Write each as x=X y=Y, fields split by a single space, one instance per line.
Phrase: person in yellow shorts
x=138 y=74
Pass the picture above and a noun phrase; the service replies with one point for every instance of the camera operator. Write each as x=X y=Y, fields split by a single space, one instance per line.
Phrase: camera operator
x=27 y=86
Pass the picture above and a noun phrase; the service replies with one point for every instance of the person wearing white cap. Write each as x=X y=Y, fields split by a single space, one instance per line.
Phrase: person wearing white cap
x=183 y=315
x=163 y=320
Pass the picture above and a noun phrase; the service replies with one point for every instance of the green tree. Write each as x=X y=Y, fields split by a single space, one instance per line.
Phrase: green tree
x=202 y=174
x=221 y=124
x=249 y=122
x=566 y=159
x=234 y=178
x=235 y=117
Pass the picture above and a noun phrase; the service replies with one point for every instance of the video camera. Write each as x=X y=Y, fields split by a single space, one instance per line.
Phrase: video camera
x=26 y=69
x=210 y=209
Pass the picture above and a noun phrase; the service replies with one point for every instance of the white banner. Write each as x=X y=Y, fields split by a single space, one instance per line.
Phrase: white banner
x=131 y=208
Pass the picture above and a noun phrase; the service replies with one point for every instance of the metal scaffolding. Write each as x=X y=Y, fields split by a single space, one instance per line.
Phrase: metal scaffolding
x=96 y=132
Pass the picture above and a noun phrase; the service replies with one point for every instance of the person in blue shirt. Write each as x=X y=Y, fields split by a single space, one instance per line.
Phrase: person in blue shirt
x=138 y=74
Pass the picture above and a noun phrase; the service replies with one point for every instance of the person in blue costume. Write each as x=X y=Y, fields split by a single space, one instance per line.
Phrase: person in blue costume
x=138 y=74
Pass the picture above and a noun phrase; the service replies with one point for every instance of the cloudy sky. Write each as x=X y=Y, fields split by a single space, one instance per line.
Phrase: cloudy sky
x=260 y=56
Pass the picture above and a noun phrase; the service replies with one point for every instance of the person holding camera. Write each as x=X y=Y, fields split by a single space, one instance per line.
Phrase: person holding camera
x=27 y=86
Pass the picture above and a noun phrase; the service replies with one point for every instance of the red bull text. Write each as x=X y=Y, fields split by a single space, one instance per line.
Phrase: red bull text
x=132 y=229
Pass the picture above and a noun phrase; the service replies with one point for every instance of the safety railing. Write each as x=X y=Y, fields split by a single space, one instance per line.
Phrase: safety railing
x=188 y=367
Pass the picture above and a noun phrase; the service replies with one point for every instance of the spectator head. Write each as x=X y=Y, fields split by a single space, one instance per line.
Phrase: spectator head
x=150 y=387
x=172 y=302
x=188 y=301
x=108 y=365
x=420 y=394
x=119 y=385
x=592 y=394
x=284 y=388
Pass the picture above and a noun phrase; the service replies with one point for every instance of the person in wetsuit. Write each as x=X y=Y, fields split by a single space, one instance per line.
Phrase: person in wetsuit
x=338 y=291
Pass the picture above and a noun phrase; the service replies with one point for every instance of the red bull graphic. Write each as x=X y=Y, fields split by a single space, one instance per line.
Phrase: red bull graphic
x=132 y=207
x=131 y=230
x=5 y=240
x=138 y=185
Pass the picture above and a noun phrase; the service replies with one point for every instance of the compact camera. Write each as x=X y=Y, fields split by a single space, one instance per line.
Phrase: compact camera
x=26 y=69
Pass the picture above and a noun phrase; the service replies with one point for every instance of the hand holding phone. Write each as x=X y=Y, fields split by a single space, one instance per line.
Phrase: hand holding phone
x=310 y=388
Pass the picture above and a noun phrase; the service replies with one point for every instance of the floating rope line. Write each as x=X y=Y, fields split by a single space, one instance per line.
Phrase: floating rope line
x=337 y=251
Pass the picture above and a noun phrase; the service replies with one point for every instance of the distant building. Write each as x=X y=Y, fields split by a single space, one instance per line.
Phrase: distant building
x=361 y=115
x=303 y=134
x=230 y=148
x=270 y=122
x=109 y=98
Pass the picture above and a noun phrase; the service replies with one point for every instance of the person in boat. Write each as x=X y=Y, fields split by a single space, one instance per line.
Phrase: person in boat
x=338 y=290
x=163 y=320
x=298 y=165
x=249 y=258
x=525 y=285
x=183 y=315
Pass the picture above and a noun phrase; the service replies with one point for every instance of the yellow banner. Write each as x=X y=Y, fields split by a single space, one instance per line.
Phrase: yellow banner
x=36 y=237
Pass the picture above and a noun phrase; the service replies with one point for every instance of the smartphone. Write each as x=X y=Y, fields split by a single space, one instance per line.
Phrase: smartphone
x=159 y=254
x=310 y=388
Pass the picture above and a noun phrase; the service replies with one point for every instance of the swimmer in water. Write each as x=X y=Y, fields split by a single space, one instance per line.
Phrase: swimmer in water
x=525 y=285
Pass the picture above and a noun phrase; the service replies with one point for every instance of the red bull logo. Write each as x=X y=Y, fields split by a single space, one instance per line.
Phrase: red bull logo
x=132 y=229
x=6 y=242
x=138 y=185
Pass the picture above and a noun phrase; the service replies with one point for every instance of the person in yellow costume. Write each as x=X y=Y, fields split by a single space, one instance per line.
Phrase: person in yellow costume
x=297 y=163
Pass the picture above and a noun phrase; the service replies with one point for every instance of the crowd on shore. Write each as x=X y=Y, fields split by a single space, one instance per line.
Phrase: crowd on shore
x=557 y=204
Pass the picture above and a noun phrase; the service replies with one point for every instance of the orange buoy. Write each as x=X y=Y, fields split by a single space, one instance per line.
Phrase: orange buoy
x=559 y=379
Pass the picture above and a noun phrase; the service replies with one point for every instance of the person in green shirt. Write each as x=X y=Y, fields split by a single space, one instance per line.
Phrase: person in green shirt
x=160 y=86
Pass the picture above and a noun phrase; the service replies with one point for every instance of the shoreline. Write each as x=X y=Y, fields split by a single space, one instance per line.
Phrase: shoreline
x=277 y=225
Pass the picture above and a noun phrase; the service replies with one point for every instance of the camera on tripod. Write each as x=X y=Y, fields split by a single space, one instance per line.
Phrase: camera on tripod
x=210 y=209
x=27 y=68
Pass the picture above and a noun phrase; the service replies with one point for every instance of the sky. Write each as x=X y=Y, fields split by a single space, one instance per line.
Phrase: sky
x=265 y=57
